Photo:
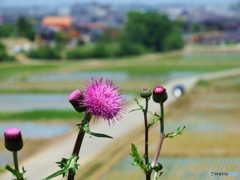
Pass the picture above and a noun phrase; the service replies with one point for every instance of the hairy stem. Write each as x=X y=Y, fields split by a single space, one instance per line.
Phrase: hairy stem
x=78 y=145
x=161 y=137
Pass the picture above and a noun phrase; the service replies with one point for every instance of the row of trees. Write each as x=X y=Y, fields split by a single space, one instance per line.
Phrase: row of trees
x=142 y=33
x=22 y=28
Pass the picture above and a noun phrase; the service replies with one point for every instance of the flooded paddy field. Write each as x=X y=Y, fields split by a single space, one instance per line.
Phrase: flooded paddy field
x=210 y=112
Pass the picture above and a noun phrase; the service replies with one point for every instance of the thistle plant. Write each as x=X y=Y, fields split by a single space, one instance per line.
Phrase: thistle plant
x=159 y=95
x=14 y=143
x=100 y=99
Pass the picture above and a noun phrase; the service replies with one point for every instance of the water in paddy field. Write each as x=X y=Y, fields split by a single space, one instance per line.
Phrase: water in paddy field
x=115 y=76
x=25 y=102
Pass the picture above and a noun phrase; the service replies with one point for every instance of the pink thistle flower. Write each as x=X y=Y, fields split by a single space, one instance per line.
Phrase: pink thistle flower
x=159 y=94
x=76 y=98
x=104 y=100
x=13 y=139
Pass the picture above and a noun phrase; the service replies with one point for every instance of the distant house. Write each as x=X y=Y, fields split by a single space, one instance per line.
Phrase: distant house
x=47 y=33
x=50 y=25
x=225 y=37
x=17 y=45
x=91 y=31
x=61 y=22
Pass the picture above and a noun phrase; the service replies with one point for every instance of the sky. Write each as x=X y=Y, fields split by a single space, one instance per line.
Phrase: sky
x=150 y=2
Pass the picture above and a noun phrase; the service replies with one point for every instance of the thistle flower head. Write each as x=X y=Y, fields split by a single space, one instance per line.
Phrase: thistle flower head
x=146 y=93
x=159 y=94
x=13 y=139
x=103 y=99
x=76 y=98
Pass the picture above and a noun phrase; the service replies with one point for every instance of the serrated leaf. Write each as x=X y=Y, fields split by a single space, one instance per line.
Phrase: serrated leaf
x=179 y=131
x=99 y=135
x=15 y=173
x=137 y=161
x=135 y=110
x=85 y=127
x=153 y=122
x=66 y=165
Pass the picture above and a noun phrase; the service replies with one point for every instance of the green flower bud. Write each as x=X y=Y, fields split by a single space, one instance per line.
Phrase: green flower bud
x=13 y=139
x=158 y=167
x=146 y=93
x=159 y=94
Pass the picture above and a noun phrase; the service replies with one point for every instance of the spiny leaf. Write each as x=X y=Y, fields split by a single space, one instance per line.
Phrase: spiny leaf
x=137 y=161
x=17 y=174
x=135 y=110
x=66 y=165
x=86 y=129
x=154 y=114
x=140 y=106
x=153 y=122
x=179 y=131
x=99 y=135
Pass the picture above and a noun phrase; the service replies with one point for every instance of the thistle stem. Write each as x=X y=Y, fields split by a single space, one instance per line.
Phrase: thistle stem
x=161 y=137
x=78 y=144
x=148 y=174
x=146 y=133
x=15 y=160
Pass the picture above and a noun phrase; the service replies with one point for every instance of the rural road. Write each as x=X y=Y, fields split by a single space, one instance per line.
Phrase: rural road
x=43 y=164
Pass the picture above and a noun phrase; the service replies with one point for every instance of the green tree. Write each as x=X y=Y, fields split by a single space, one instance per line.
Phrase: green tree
x=3 y=52
x=61 y=38
x=45 y=52
x=25 y=28
x=195 y=27
x=4 y=55
x=149 y=29
x=7 y=30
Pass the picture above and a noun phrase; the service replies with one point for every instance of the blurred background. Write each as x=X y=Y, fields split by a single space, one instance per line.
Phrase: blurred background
x=48 y=49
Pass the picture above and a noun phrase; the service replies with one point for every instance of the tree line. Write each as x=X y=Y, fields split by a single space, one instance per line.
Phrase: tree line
x=142 y=33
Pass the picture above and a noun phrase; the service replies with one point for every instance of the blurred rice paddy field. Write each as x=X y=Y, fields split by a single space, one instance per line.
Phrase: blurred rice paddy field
x=130 y=73
x=210 y=142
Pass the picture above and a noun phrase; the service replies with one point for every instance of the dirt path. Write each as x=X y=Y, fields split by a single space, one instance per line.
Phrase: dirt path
x=42 y=164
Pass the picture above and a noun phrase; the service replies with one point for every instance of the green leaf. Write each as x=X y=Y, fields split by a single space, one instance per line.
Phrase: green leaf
x=153 y=122
x=99 y=135
x=137 y=161
x=15 y=173
x=179 y=131
x=66 y=165
x=85 y=127
x=135 y=110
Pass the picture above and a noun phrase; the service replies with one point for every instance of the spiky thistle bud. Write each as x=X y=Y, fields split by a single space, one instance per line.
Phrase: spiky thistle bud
x=159 y=94
x=76 y=98
x=13 y=139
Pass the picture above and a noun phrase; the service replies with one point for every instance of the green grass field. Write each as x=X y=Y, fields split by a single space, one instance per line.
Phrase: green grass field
x=37 y=115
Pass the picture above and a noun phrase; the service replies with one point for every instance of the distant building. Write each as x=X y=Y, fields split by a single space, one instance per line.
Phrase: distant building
x=17 y=45
x=61 y=22
x=91 y=31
